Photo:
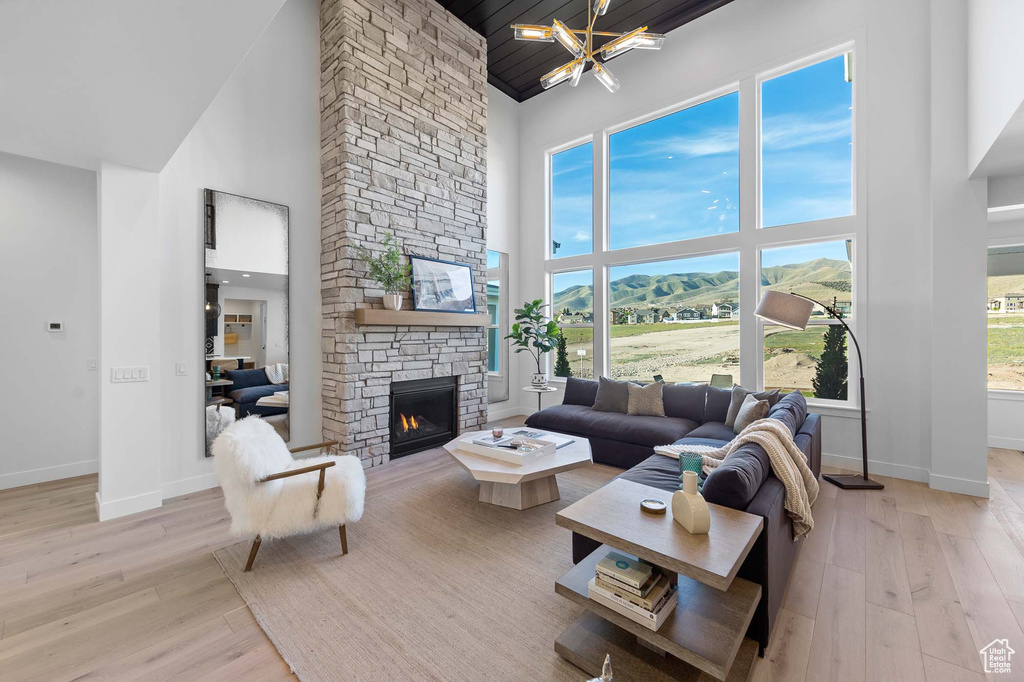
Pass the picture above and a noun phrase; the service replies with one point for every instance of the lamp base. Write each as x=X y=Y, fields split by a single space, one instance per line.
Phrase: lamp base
x=853 y=482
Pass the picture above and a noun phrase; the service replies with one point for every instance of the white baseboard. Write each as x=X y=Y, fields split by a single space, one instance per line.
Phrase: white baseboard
x=881 y=468
x=187 y=486
x=112 y=509
x=506 y=412
x=54 y=473
x=1006 y=443
x=958 y=485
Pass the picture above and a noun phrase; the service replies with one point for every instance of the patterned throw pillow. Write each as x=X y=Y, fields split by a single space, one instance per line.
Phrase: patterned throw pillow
x=646 y=400
x=751 y=410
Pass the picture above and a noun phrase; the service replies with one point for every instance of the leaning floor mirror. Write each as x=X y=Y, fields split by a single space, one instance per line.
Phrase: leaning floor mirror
x=245 y=279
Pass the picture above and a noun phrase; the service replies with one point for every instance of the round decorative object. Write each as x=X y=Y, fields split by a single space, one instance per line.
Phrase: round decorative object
x=393 y=301
x=539 y=379
x=212 y=309
x=652 y=506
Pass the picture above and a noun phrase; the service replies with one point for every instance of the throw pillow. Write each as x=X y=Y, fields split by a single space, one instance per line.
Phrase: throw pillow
x=646 y=400
x=579 y=392
x=751 y=410
x=612 y=396
x=739 y=394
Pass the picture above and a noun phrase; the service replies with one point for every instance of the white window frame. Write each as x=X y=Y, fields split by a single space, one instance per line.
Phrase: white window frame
x=750 y=238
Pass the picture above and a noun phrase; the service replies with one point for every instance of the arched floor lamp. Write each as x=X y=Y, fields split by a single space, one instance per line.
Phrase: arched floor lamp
x=793 y=311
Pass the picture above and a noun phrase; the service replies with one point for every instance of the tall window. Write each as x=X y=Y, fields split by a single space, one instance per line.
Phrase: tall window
x=677 y=318
x=572 y=201
x=497 y=326
x=816 y=360
x=573 y=309
x=807 y=144
x=676 y=177
x=1006 y=318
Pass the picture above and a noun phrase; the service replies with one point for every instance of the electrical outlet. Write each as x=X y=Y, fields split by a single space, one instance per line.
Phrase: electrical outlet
x=180 y=369
x=92 y=364
x=127 y=375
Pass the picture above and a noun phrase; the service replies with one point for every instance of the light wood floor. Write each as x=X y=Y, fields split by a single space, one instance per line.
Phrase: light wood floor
x=903 y=584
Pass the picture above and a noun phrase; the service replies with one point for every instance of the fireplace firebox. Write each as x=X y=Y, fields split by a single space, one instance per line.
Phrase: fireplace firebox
x=424 y=414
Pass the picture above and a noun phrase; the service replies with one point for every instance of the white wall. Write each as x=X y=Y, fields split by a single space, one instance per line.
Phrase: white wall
x=995 y=59
x=894 y=65
x=49 y=245
x=259 y=138
x=503 y=217
x=130 y=334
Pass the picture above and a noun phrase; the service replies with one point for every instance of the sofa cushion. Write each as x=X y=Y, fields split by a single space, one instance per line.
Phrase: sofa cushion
x=717 y=406
x=580 y=392
x=254 y=393
x=657 y=471
x=612 y=396
x=791 y=410
x=716 y=430
x=584 y=421
x=244 y=378
x=751 y=410
x=685 y=400
x=646 y=400
x=739 y=394
x=738 y=478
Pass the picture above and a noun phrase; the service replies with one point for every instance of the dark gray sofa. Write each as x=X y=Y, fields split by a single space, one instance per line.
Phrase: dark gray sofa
x=696 y=415
x=249 y=386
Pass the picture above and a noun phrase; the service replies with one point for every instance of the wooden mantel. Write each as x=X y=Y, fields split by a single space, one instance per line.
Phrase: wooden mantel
x=419 y=318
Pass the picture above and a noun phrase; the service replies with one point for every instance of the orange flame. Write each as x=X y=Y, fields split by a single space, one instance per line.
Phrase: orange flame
x=405 y=424
x=413 y=424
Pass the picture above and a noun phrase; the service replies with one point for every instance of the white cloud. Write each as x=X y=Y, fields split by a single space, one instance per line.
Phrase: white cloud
x=789 y=131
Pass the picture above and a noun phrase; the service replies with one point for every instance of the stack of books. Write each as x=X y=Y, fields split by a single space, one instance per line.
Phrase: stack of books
x=633 y=589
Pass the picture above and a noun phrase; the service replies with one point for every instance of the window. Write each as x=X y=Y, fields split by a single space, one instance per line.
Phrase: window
x=807 y=144
x=816 y=360
x=676 y=177
x=1006 y=319
x=497 y=326
x=572 y=201
x=573 y=309
x=677 y=318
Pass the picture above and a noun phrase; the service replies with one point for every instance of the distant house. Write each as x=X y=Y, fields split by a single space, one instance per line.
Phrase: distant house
x=845 y=308
x=588 y=318
x=722 y=311
x=688 y=315
x=1007 y=303
x=647 y=318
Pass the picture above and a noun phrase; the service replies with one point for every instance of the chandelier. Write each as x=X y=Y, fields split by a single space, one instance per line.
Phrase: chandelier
x=584 y=51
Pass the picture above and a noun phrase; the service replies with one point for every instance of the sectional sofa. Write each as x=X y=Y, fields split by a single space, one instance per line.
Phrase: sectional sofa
x=695 y=414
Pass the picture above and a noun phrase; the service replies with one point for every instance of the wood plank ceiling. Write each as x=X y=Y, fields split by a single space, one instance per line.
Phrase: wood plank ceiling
x=515 y=66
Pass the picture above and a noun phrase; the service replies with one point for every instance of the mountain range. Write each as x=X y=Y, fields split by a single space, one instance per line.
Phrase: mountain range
x=820 y=279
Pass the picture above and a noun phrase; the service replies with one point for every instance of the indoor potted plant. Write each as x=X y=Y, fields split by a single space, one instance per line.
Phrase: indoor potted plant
x=388 y=270
x=536 y=334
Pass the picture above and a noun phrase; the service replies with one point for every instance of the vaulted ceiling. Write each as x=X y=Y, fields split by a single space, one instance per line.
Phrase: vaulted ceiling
x=515 y=67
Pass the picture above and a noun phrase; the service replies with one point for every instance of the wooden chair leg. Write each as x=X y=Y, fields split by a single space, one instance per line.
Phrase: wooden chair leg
x=252 y=553
x=344 y=540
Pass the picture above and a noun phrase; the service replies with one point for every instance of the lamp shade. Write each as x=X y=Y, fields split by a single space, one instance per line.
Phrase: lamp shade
x=784 y=309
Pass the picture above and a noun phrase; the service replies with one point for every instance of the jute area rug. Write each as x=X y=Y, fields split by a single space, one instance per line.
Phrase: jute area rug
x=436 y=586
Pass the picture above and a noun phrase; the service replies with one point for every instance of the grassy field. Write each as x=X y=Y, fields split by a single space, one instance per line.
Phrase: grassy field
x=1006 y=352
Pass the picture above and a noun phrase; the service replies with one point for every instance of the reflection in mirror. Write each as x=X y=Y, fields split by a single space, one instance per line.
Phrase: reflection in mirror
x=497 y=326
x=246 y=312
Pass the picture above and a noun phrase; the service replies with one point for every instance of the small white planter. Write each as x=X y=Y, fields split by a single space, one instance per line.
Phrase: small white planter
x=393 y=301
x=539 y=379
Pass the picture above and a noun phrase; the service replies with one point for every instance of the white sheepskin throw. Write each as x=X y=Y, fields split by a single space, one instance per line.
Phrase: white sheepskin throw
x=250 y=450
x=218 y=419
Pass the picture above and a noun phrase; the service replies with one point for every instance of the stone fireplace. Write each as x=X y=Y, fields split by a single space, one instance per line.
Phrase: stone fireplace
x=424 y=414
x=403 y=151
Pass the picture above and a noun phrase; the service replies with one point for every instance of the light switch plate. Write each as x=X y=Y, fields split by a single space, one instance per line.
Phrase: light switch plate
x=128 y=375
x=92 y=364
x=180 y=369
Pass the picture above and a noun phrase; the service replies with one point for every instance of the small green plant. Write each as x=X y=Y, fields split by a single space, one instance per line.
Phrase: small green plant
x=386 y=266
x=533 y=331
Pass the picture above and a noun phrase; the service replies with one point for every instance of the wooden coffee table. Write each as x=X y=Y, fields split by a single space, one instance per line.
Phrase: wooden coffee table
x=705 y=637
x=520 y=487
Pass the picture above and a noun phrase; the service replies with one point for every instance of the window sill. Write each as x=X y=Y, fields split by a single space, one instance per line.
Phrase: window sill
x=1011 y=396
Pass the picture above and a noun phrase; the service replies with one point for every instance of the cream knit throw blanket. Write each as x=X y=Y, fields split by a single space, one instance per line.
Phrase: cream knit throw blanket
x=787 y=460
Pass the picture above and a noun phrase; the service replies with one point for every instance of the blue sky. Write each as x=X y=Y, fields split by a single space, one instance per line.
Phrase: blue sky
x=676 y=177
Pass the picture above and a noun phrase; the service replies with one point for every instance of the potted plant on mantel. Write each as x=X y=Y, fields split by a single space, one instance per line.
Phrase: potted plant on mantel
x=536 y=334
x=387 y=269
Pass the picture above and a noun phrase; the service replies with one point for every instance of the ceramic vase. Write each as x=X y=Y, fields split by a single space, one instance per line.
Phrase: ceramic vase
x=393 y=301
x=539 y=379
x=689 y=508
